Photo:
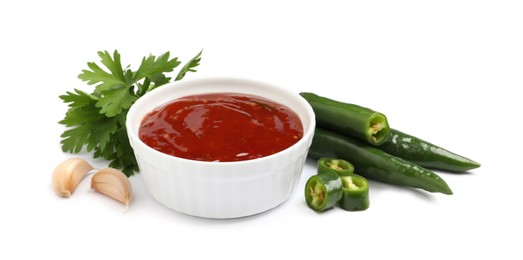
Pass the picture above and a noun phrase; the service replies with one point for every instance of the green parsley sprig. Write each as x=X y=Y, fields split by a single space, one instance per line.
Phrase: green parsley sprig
x=96 y=120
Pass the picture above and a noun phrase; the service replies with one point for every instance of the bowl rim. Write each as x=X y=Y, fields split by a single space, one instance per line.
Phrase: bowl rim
x=133 y=133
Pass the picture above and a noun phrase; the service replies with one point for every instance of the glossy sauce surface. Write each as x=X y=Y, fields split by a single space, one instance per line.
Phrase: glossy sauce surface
x=221 y=127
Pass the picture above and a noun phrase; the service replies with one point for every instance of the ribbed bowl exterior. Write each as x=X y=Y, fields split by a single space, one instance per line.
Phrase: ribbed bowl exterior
x=220 y=189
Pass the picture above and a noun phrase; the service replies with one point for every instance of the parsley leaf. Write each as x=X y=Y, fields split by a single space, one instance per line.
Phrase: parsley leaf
x=154 y=66
x=189 y=67
x=115 y=100
x=77 y=100
x=96 y=120
x=103 y=79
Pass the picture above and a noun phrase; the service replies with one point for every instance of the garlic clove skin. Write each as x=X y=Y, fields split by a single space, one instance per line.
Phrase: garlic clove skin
x=113 y=183
x=68 y=174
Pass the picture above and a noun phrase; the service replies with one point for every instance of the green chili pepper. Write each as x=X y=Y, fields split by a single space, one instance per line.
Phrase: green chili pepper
x=373 y=163
x=359 y=122
x=425 y=154
x=338 y=166
x=355 y=193
x=323 y=191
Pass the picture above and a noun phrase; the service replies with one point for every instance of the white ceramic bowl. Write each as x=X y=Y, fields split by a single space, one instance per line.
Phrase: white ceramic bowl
x=220 y=189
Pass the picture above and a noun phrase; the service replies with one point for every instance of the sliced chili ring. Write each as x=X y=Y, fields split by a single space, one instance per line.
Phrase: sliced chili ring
x=323 y=191
x=355 y=193
x=338 y=166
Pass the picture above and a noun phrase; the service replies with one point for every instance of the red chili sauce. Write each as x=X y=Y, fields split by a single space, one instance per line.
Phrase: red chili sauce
x=221 y=127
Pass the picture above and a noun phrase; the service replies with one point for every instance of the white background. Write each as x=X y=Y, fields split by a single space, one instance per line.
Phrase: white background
x=446 y=71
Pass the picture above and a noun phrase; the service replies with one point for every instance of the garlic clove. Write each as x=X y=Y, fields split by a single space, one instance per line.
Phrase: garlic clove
x=68 y=174
x=113 y=183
